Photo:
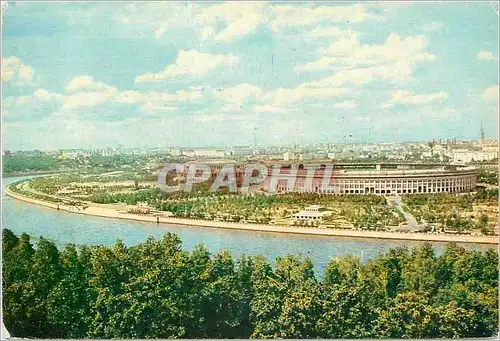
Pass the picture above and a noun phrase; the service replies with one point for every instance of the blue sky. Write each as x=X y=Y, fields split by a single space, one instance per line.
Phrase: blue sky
x=90 y=75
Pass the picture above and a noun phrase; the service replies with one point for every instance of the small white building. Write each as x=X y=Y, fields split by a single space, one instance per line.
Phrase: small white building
x=312 y=212
x=205 y=152
x=288 y=156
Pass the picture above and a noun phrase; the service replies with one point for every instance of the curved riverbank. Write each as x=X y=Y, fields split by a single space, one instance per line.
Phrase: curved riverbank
x=107 y=212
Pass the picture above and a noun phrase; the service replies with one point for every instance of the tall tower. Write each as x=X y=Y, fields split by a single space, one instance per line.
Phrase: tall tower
x=482 y=135
x=255 y=141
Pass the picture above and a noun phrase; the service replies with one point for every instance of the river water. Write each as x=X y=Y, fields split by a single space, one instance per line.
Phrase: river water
x=64 y=227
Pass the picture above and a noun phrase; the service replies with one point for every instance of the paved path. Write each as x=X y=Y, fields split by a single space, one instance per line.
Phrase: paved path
x=410 y=219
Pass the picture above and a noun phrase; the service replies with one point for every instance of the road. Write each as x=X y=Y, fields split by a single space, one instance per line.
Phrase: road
x=410 y=219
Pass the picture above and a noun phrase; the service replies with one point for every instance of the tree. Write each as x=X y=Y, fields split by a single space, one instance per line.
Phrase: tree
x=157 y=290
x=18 y=294
x=68 y=304
x=408 y=315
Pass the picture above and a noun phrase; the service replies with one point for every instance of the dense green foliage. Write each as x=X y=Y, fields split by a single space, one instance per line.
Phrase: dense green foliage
x=18 y=187
x=40 y=162
x=26 y=163
x=454 y=211
x=487 y=177
x=157 y=290
x=367 y=211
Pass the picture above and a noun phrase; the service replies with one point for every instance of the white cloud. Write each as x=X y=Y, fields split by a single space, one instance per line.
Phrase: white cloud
x=38 y=97
x=164 y=16
x=266 y=108
x=86 y=83
x=358 y=64
x=44 y=95
x=241 y=118
x=324 y=63
x=491 y=94
x=348 y=52
x=78 y=83
x=239 y=94
x=348 y=105
x=15 y=71
x=359 y=76
x=486 y=55
x=87 y=99
x=239 y=19
x=156 y=97
x=31 y=107
x=329 y=31
x=130 y=97
x=207 y=32
x=151 y=108
x=192 y=63
x=303 y=92
x=406 y=97
x=231 y=107
x=292 y=15
x=433 y=26
x=85 y=92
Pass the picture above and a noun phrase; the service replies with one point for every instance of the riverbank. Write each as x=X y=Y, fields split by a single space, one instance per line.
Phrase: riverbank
x=114 y=213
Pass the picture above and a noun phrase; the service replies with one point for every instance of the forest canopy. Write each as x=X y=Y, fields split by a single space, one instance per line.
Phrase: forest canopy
x=158 y=290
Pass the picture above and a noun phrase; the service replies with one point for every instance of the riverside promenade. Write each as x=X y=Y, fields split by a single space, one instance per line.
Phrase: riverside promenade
x=115 y=213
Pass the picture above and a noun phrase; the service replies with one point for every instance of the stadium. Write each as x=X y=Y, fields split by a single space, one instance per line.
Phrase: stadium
x=384 y=181
x=378 y=179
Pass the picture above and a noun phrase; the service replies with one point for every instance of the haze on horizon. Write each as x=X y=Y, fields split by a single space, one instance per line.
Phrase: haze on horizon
x=93 y=75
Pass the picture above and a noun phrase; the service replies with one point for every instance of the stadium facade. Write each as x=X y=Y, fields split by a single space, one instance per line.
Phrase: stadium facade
x=356 y=179
x=385 y=182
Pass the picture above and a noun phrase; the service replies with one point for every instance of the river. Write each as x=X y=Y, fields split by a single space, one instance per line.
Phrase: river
x=64 y=227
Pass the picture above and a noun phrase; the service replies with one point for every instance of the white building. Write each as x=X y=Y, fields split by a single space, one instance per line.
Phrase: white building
x=205 y=152
x=288 y=156
x=466 y=155
x=241 y=151
x=312 y=212
x=175 y=151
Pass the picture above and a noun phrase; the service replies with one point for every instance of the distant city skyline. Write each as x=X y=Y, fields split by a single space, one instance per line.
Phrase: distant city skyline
x=284 y=146
x=98 y=75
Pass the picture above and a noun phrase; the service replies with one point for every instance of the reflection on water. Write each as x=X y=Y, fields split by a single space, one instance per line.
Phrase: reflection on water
x=64 y=227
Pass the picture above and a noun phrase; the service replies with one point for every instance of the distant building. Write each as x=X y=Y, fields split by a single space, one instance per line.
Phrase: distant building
x=241 y=151
x=70 y=153
x=312 y=212
x=467 y=156
x=205 y=152
x=107 y=152
x=175 y=151
x=287 y=156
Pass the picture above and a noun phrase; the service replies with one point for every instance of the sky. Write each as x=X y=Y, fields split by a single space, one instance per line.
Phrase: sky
x=210 y=74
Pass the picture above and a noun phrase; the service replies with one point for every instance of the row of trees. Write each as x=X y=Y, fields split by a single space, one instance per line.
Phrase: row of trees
x=487 y=177
x=366 y=211
x=141 y=195
x=157 y=290
x=462 y=201
x=454 y=211
x=12 y=164
x=19 y=188
x=44 y=162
